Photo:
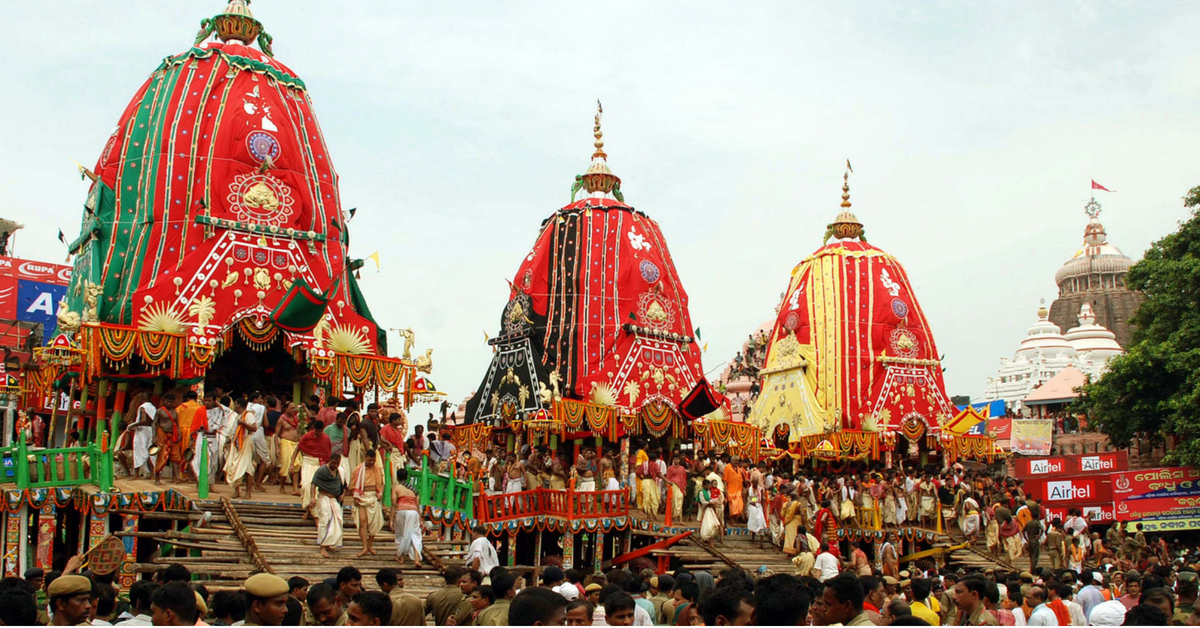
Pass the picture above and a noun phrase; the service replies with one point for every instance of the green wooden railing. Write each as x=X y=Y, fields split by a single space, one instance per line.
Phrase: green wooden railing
x=64 y=466
x=443 y=491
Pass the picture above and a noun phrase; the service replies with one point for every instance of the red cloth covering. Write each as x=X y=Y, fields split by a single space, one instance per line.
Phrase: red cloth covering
x=317 y=445
x=393 y=436
x=1061 y=612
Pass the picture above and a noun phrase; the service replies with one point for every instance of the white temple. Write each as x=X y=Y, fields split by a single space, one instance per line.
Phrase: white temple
x=1046 y=351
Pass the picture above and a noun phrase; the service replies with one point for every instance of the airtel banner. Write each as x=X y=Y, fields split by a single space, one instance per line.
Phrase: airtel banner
x=1102 y=512
x=1059 y=490
x=1080 y=464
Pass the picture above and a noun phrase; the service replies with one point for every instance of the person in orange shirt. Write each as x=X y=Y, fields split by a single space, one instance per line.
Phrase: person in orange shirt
x=186 y=411
x=734 y=492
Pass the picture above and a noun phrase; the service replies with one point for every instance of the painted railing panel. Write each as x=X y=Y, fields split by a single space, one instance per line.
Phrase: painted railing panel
x=443 y=491
x=567 y=504
x=90 y=464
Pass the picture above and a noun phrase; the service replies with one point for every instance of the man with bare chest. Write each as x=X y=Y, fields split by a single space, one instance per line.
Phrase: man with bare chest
x=585 y=471
x=535 y=467
x=287 y=435
x=166 y=435
x=514 y=475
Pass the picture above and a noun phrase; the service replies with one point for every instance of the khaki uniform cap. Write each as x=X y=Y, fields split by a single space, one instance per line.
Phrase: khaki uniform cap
x=265 y=585
x=69 y=585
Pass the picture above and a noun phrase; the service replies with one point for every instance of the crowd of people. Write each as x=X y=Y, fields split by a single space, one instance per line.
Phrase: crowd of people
x=485 y=594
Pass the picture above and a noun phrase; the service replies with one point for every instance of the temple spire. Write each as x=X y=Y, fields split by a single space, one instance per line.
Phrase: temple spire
x=846 y=185
x=599 y=179
x=599 y=135
x=236 y=23
x=846 y=225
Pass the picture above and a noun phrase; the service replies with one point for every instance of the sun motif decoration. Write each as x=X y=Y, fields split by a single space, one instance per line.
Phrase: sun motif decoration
x=260 y=199
x=603 y=394
x=161 y=318
x=348 y=340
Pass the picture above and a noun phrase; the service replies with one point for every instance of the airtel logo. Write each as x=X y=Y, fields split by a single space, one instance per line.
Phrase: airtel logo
x=1096 y=463
x=1042 y=467
x=1061 y=491
x=1098 y=514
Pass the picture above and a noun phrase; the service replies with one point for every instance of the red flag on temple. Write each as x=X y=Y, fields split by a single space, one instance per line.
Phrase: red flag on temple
x=1097 y=186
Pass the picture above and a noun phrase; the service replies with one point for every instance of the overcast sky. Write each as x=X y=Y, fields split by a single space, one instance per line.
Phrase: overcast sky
x=457 y=127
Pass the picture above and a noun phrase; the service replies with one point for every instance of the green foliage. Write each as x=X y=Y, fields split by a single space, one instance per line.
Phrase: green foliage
x=1154 y=389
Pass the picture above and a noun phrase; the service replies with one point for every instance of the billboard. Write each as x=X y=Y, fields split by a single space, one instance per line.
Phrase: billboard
x=1032 y=437
x=1076 y=464
x=30 y=292
x=1155 y=483
x=1062 y=491
x=1100 y=512
x=1159 y=508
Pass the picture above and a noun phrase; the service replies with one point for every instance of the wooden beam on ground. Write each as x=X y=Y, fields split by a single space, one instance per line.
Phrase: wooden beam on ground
x=244 y=536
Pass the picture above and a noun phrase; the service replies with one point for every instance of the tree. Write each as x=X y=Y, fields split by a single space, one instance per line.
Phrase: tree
x=1154 y=388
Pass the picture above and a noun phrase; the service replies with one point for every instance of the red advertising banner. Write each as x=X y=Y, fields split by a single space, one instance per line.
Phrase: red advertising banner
x=30 y=270
x=1129 y=484
x=1058 y=491
x=1077 y=464
x=1002 y=428
x=1158 y=507
x=1102 y=512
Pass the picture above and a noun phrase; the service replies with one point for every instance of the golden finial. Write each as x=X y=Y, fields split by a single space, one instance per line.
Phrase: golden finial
x=846 y=185
x=599 y=144
x=846 y=225
x=598 y=178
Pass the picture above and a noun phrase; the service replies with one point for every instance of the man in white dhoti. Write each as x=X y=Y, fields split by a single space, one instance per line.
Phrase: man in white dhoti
x=262 y=448
x=366 y=487
x=205 y=427
x=240 y=459
x=481 y=554
x=142 y=432
x=326 y=504
x=313 y=450
x=406 y=520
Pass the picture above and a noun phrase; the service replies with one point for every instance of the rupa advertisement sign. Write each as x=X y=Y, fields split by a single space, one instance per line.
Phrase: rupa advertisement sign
x=30 y=292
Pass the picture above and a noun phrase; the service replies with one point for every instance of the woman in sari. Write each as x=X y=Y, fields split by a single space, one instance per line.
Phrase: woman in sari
x=710 y=521
x=790 y=518
x=826 y=528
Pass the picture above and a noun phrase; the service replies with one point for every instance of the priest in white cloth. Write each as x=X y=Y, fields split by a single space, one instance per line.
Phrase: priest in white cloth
x=406 y=520
x=367 y=486
x=240 y=459
x=326 y=504
x=206 y=427
x=141 y=430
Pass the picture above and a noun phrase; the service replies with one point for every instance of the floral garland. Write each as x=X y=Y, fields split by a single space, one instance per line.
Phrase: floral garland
x=850 y=445
x=581 y=416
x=912 y=430
x=540 y=427
x=369 y=370
x=468 y=437
x=257 y=338
x=970 y=447
x=117 y=345
x=657 y=417
x=740 y=439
